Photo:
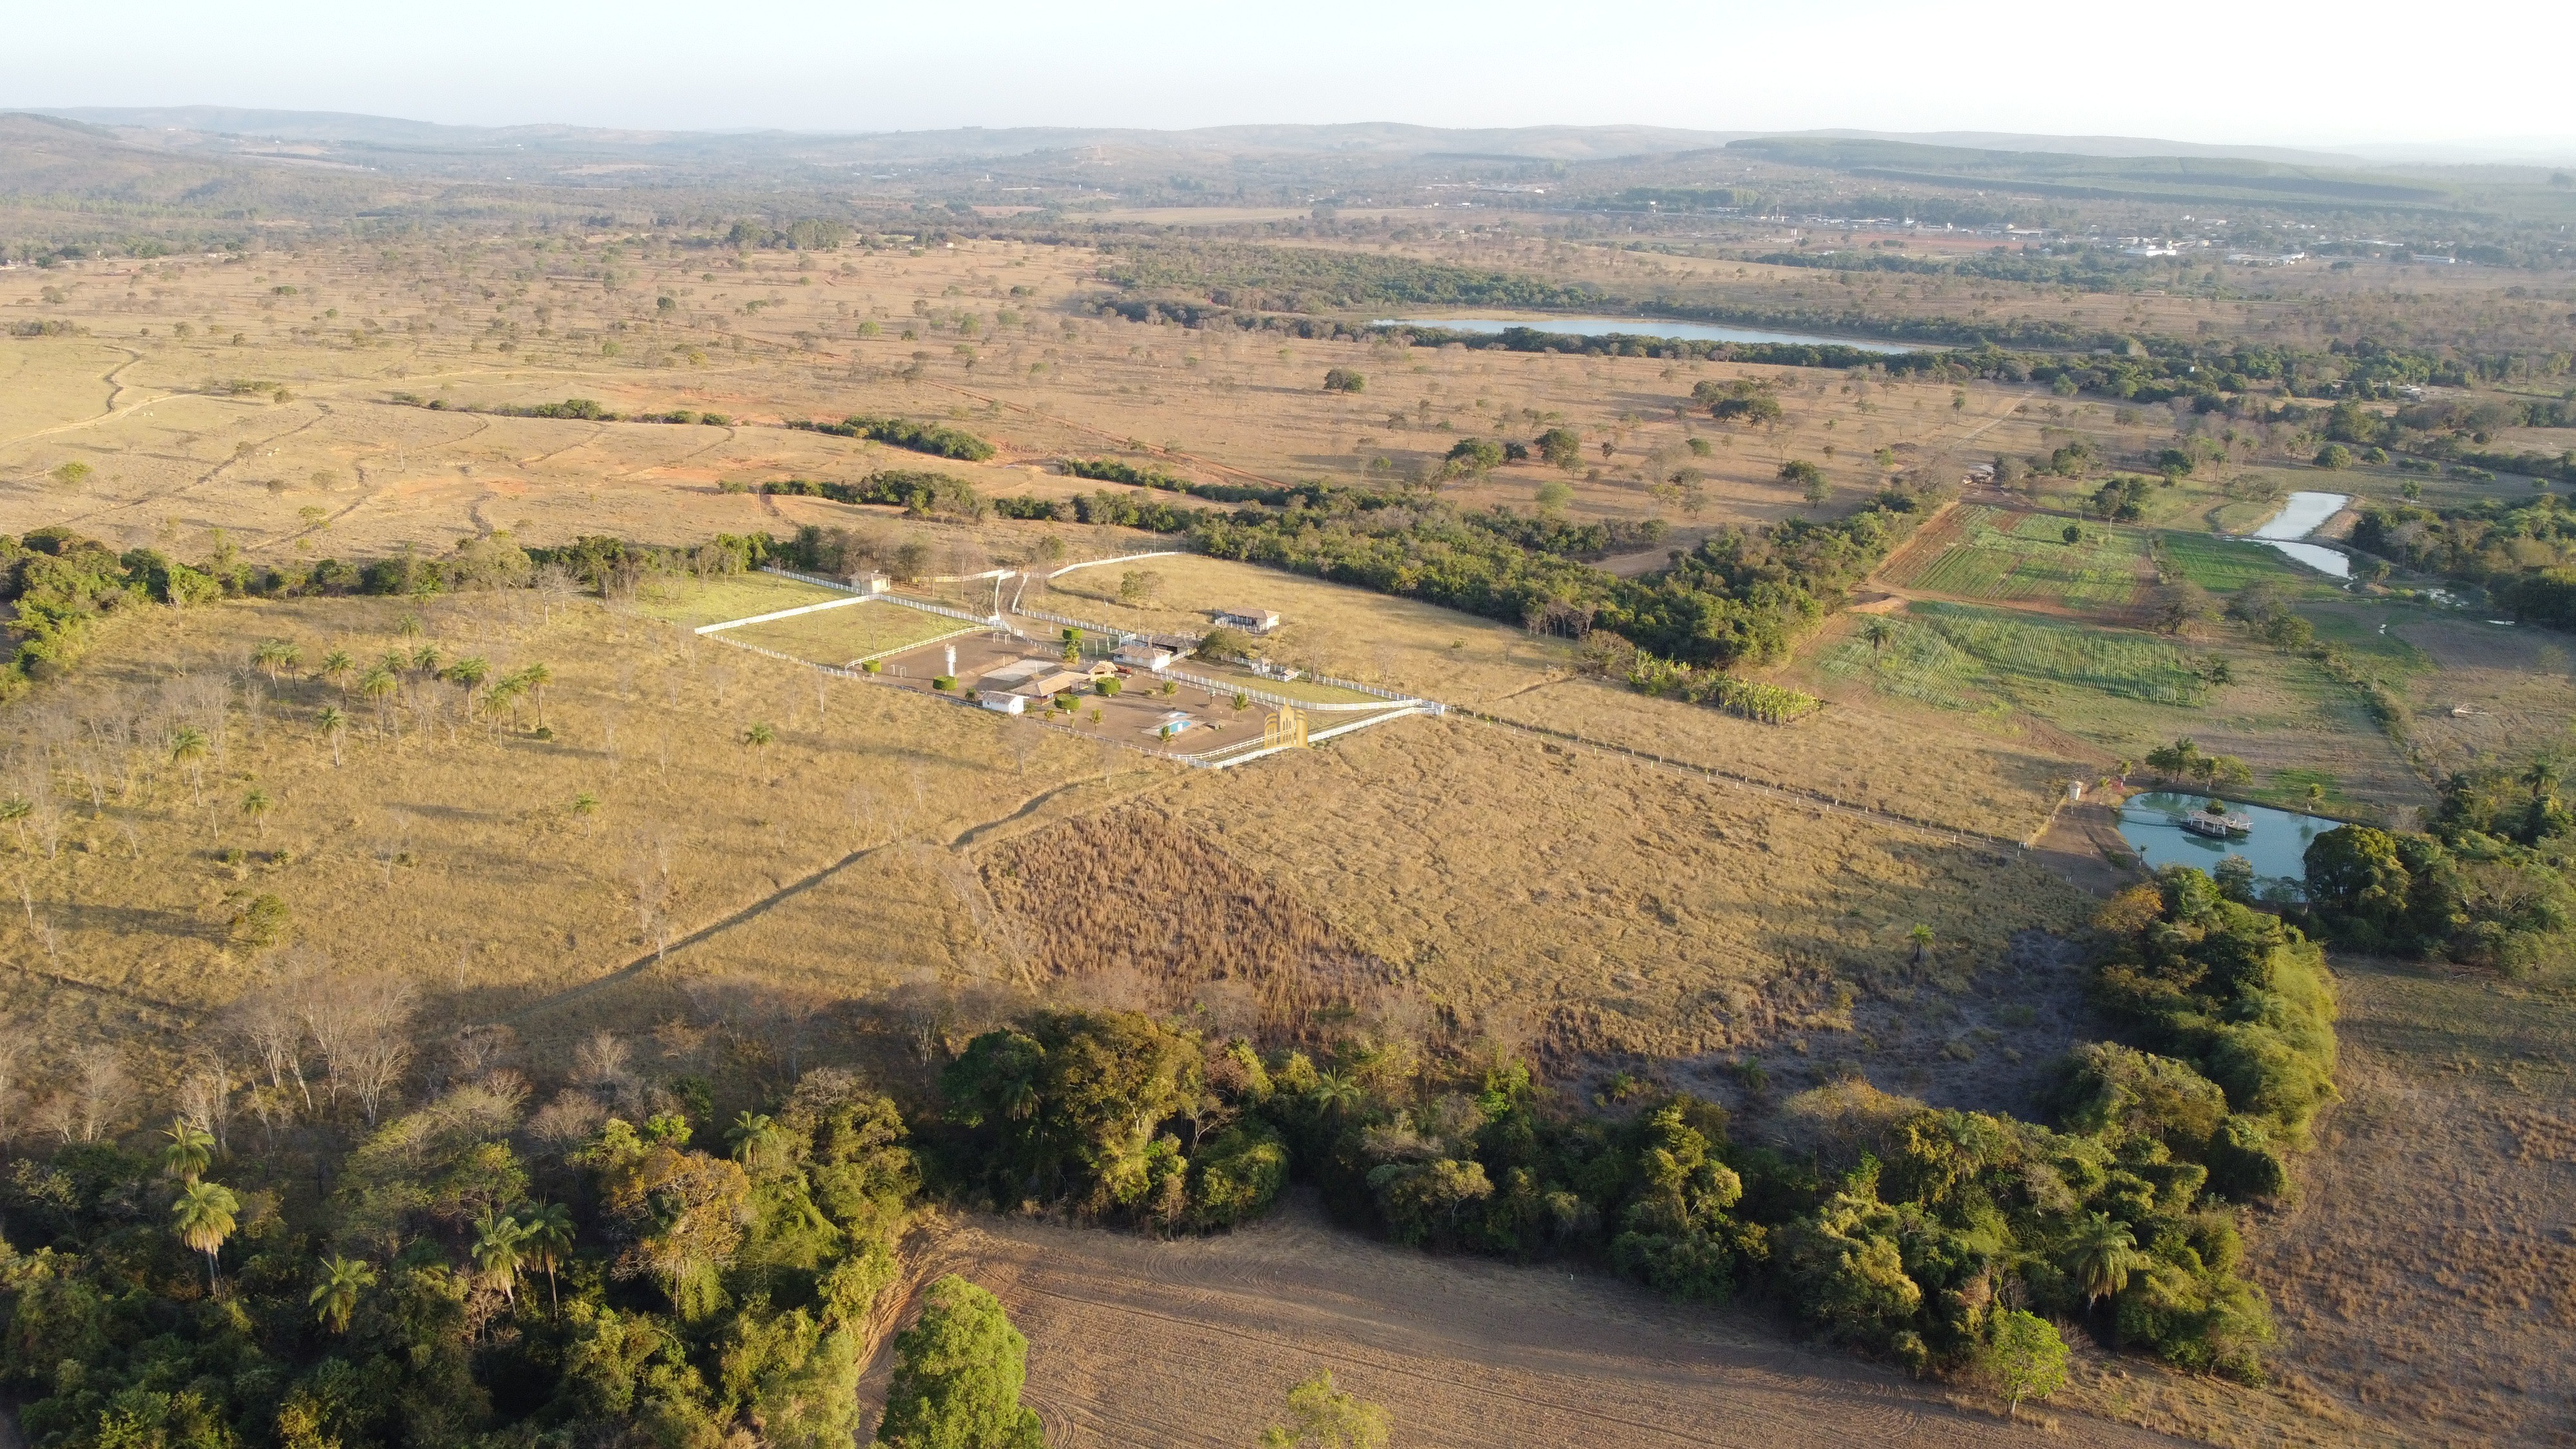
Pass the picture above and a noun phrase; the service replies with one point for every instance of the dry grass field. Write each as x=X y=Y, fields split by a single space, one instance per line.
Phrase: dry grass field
x=877 y=873
x=993 y=336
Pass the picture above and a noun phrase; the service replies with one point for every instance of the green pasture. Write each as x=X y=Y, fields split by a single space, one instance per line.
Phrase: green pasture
x=838 y=636
x=685 y=600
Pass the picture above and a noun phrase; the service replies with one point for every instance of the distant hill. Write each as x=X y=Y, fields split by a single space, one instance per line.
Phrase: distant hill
x=2199 y=179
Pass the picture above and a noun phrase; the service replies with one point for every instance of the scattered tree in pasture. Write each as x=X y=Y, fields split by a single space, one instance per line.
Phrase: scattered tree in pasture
x=188 y=749
x=1321 y=1416
x=334 y=724
x=2025 y=1358
x=255 y=807
x=275 y=657
x=336 y=666
x=759 y=735
x=584 y=806
x=1799 y=473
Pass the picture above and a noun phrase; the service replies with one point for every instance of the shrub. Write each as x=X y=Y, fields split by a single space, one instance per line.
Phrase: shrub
x=1342 y=379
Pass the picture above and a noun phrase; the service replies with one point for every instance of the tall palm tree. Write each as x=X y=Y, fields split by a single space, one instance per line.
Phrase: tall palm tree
x=537 y=677
x=188 y=747
x=2102 y=1256
x=333 y=725
x=190 y=1153
x=275 y=656
x=469 y=671
x=378 y=684
x=344 y=1281
x=548 y=1227
x=336 y=665
x=256 y=805
x=498 y=1251
x=203 y=1216
x=756 y=1139
x=1877 y=631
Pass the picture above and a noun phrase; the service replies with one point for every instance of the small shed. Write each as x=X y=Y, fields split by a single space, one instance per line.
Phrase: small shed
x=1004 y=702
x=1249 y=620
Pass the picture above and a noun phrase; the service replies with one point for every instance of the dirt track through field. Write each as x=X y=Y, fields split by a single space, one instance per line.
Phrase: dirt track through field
x=1195 y=1342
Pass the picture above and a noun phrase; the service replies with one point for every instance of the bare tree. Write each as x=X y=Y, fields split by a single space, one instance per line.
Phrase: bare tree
x=17 y=1054
x=377 y=1050
x=392 y=842
x=205 y=1101
x=97 y=1096
x=270 y=1023
x=603 y=1067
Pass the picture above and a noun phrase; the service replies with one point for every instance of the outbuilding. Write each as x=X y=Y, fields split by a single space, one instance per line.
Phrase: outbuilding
x=1249 y=620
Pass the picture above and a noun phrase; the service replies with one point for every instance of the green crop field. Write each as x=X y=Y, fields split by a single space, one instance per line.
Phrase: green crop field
x=2224 y=565
x=2011 y=557
x=839 y=636
x=1957 y=657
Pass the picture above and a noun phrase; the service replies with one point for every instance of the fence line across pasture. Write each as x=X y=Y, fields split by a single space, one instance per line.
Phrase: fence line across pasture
x=1713 y=774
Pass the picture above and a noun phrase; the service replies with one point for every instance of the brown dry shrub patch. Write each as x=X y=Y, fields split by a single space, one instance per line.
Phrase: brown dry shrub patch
x=1138 y=896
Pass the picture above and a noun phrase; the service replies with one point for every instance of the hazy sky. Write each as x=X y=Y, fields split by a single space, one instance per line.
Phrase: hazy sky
x=2278 y=72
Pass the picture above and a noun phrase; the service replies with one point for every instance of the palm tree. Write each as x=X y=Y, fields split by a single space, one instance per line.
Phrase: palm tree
x=2102 y=1256
x=497 y=1252
x=425 y=659
x=188 y=747
x=204 y=1217
x=536 y=677
x=256 y=805
x=408 y=626
x=336 y=1296
x=276 y=656
x=1921 y=936
x=584 y=806
x=1877 y=631
x=336 y=665
x=755 y=1138
x=190 y=1153
x=333 y=725
x=469 y=671
x=758 y=735
x=378 y=684
x=548 y=1230
x=1336 y=1094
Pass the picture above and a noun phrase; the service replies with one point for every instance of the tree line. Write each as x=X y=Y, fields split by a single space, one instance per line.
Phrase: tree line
x=448 y=1267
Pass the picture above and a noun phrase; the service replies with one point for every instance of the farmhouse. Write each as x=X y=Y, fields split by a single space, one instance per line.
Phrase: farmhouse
x=1137 y=654
x=1249 y=620
x=1015 y=673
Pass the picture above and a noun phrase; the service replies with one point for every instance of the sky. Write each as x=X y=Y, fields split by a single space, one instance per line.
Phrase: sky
x=2291 y=72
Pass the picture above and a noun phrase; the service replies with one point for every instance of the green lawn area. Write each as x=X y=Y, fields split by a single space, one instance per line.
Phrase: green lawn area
x=2007 y=556
x=1955 y=656
x=737 y=596
x=1305 y=690
x=838 y=636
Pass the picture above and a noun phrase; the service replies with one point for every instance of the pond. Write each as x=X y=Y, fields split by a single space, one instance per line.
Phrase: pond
x=2304 y=514
x=1642 y=327
x=2276 y=848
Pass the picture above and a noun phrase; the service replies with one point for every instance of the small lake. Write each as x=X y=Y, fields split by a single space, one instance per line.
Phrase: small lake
x=1642 y=327
x=2304 y=514
x=2277 y=848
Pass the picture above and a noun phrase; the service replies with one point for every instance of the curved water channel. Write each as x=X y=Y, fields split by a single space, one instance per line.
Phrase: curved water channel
x=1642 y=327
x=2276 y=847
x=2304 y=514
